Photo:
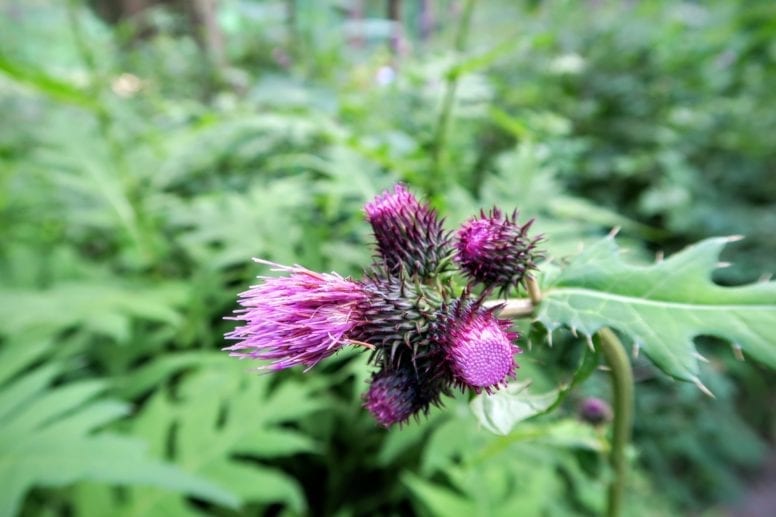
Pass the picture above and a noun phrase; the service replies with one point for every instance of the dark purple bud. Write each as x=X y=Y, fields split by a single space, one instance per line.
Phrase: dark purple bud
x=479 y=346
x=410 y=236
x=595 y=411
x=398 y=393
x=495 y=251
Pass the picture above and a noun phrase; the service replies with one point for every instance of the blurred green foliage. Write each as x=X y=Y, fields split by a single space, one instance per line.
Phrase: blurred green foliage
x=138 y=177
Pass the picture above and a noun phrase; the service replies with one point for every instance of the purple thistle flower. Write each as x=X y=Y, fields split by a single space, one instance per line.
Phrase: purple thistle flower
x=479 y=346
x=595 y=411
x=296 y=319
x=495 y=251
x=409 y=234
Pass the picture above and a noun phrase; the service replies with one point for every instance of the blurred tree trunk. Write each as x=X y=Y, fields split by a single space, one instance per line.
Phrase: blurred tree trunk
x=426 y=20
x=394 y=14
x=201 y=16
x=356 y=16
x=204 y=18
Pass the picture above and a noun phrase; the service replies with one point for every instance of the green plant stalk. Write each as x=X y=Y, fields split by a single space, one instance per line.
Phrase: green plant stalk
x=439 y=141
x=617 y=359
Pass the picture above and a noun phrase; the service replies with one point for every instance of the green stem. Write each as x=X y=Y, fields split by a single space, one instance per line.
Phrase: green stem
x=622 y=386
x=619 y=364
x=442 y=128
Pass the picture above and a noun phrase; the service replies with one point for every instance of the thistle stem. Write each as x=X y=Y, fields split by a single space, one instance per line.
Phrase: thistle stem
x=617 y=360
x=622 y=386
x=512 y=308
x=533 y=290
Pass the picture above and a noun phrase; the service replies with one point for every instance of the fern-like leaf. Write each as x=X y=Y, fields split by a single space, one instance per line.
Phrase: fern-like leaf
x=50 y=437
x=222 y=422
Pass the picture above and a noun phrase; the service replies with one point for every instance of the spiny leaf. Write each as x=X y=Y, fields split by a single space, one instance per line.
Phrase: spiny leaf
x=662 y=307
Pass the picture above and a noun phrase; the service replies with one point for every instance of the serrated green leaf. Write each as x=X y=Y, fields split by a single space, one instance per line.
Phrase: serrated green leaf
x=662 y=307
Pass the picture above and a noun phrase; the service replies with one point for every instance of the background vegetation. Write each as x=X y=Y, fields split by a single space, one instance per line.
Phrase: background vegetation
x=143 y=162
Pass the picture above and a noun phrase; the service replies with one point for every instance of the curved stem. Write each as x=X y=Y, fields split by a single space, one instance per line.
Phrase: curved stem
x=622 y=387
x=619 y=365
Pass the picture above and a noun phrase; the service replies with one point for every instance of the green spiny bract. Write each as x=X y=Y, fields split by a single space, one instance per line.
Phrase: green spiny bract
x=397 y=318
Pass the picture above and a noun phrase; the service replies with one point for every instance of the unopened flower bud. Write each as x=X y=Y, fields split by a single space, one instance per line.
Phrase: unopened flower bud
x=595 y=411
x=495 y=251
x=397 y=394
x=409 y=234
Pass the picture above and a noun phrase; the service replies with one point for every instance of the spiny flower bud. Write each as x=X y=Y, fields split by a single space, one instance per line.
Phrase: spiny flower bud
x=478 y=345
x=296 y=319
x=595 y=411
x=409 y=234
x=495 y=251
x=396 y=317
x=396 y=394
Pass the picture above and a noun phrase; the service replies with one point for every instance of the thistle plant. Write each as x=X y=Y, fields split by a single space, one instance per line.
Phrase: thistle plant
x=428 y=334
x=422 y=309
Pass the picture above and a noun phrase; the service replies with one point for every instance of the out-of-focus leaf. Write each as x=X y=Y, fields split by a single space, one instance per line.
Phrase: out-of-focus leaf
x=50 y=437
x=437 y=499
x=51 y=86
x=499 y=412
x=225 y=420
x=100 y=307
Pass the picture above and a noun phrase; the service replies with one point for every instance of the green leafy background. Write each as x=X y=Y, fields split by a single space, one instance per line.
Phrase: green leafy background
x=138 y=178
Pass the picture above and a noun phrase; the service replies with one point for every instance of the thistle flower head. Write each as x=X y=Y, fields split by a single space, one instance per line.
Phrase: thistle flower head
x=479 y=346
x=393 y=396
x=396 y=318
x=495 y=251
x=296 y=319
x=409 y=234
x=595 y=411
